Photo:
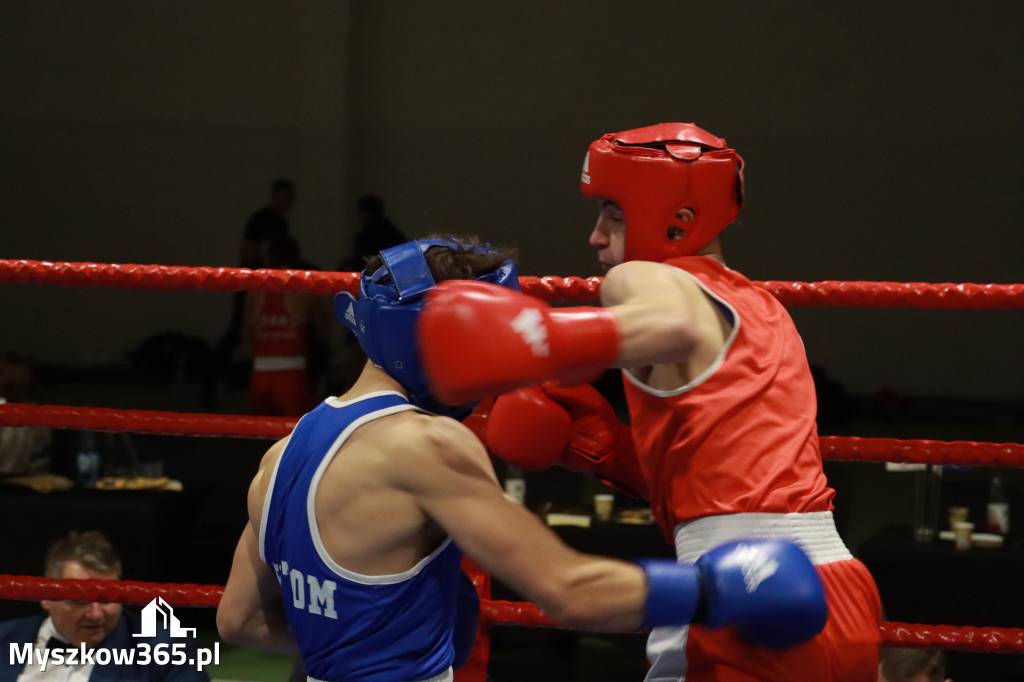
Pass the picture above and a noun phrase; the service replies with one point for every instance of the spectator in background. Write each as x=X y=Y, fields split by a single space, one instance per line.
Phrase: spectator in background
x=23 y=449
x=267 y=223
x=72 y=625
x=283 y=330
x=263 y=226
x=912 y=665
x=375 y=234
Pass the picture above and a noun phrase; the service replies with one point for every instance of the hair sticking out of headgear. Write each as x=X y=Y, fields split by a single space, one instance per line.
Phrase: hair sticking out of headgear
x=655 y=172
x=383 y=317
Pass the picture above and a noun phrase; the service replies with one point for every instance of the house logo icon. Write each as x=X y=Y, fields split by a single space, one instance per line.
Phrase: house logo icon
x=160 y=611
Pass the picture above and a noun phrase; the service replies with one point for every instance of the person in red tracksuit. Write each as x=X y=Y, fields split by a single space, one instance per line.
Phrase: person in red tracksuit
x=280 y=327
x=723 y=438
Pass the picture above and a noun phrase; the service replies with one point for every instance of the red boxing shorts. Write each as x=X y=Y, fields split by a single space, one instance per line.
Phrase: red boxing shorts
x=280 y=393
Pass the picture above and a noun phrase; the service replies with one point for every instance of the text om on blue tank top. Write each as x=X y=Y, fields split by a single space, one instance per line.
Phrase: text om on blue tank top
x=307 y=592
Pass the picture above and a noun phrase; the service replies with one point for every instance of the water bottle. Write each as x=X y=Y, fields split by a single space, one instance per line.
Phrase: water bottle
x=515 y=483
x=927 y=485
x=88 y=461
x=998 y=508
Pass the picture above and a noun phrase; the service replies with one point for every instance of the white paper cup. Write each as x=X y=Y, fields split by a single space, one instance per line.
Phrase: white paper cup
x=957 y=514
x=963 y=533
x=603 y=505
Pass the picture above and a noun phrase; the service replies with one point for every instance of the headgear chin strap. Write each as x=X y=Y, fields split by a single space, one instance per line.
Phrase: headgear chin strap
x=383 y=317
x=653 y=173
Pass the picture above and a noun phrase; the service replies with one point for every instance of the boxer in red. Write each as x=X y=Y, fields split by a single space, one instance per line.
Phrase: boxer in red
x=723 y=440
x=280 y=327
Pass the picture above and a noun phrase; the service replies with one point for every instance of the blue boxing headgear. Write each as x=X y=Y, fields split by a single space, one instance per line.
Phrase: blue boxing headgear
x=383 y=318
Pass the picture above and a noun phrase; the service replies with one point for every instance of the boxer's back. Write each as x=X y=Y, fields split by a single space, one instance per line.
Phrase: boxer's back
x=367 y=523
x=368 y=584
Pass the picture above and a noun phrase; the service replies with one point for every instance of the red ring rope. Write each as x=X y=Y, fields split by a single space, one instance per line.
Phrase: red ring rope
x=237 y=426
x=29 y=588
x=146 y=421
x=948 y=296
x=980 y=640
x=964 y=453
x=170 y=277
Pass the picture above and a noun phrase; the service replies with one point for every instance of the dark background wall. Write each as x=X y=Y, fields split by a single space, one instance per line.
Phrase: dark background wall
x=883 y=141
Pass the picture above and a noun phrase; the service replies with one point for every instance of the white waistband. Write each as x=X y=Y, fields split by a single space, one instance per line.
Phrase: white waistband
x=446 y=676
x=270 y=363
x=815 y=532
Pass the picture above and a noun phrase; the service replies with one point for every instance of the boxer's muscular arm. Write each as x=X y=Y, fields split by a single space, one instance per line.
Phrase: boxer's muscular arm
x=450 y=476
x=662 y=315
x=251 y=612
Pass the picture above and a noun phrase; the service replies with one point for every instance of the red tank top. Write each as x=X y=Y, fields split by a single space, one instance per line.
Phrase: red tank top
x=742 y=437
x=277 y=331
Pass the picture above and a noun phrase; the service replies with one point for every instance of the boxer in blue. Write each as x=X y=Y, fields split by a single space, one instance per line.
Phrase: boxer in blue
x=358 y=521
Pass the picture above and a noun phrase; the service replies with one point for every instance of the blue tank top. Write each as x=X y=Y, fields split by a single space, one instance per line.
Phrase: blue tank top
x=352 y=627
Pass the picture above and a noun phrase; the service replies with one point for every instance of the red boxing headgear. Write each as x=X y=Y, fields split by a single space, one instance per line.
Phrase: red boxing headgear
x=653 y=173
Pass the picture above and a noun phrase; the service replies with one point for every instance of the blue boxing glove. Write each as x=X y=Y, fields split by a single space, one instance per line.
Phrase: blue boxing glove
x=467 y=620
x=767 y=589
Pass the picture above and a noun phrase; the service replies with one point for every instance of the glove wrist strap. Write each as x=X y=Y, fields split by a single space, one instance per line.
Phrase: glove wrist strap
x=674 y=594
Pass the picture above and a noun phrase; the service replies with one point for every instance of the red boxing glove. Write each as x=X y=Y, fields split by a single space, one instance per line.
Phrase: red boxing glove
x=477 y=420
x=574 y=427
x=600 y=444
x=528 y=429
x=478 y=339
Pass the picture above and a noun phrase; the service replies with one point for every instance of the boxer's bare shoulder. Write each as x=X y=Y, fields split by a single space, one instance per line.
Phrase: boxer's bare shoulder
x=261 y=481
x=433 y=445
